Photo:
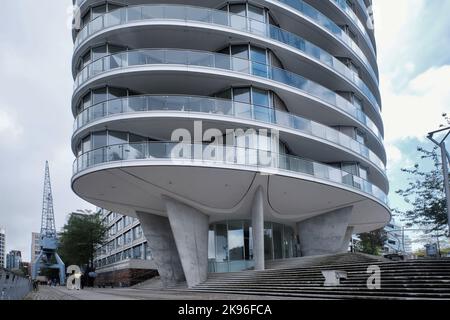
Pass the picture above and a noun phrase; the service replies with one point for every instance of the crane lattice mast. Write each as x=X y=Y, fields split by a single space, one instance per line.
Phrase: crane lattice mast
x=48 y=256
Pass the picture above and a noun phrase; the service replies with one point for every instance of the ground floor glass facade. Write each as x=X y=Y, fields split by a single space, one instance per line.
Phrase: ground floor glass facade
x=230 y=244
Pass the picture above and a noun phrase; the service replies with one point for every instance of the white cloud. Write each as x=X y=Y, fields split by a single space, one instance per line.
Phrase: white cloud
x=394 y=155
x=10 y=129
x=416 y=109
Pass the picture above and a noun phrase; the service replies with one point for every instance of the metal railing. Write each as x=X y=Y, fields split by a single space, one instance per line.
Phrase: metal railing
x=134 y=14
x=223 y=107
x=143 y=57
x=207 y=155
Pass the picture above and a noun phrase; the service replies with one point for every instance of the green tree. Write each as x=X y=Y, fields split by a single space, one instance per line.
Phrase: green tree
x=425 y=194
x=372 y=242
x=80 y=237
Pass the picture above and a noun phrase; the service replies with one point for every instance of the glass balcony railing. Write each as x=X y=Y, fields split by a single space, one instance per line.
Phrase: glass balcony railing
x=222 y=107
x=352 y=15
x=182 y=153
x=204 y=59
x=322 y=20
x=217 y=17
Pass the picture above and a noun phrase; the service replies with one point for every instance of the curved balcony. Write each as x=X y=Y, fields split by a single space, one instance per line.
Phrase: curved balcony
x=343 y=6
x=319 y=18
x=207 y=155
x=224 y=62
x=225 y=108
x=134 y=14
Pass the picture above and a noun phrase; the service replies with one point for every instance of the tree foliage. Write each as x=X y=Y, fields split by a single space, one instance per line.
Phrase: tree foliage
x=425 y=194
x=80 y=238
x=372 y=242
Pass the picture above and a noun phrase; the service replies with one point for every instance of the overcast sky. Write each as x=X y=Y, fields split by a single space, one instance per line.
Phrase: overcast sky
x=36 y=86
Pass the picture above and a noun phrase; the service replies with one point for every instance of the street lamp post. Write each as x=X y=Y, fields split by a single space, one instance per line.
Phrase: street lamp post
x=445 y=161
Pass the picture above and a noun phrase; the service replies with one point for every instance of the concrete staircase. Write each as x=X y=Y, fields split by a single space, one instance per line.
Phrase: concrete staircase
x=302 y=278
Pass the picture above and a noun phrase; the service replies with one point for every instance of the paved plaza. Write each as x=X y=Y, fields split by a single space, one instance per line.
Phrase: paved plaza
x=62 y=293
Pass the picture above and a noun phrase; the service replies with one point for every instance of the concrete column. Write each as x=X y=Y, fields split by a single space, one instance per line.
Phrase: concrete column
x=160 y=240
x=347 y=238
x=190 y=229
x=258 y=229
x=325 y=233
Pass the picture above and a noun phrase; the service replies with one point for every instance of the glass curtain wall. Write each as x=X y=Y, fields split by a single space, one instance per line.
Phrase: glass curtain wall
x=230 y=244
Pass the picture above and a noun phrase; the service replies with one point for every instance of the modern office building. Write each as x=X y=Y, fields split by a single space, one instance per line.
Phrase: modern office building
x=236 y=132
x=398 y=241
x=125 y=258
x=35 y=246
x=2 y=247
x=14 y=260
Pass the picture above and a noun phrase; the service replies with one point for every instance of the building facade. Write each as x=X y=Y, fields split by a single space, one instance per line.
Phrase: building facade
x=125 y=258
x=236 y=132
x=14 y=260
x=2 y=247
x=397 y=240
x=35 y=245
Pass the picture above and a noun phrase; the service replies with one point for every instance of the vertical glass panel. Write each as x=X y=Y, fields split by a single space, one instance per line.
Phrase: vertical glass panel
x=238 y=9
x=242 y=95
x=257 y=20
x=99 y=95
x=211 y=243
x=116 y=137
x=236 y=240
x=99 y=140
x=116 y=105
x=363 y=173
x=288 y=243
x=137 y=147
x=277 y=241
x=357 y=103
x=98 y=11
x=238 y=18
x=99 y=52
x=268 y=235
x=248 y=241
x=256 y=13
x=86 y=59
x=86 y=18
x=221 y=246
x=86 y=144
x=240 y=57
x=351 y=168
x=259 y=62
x=115 y=49
x=87 y=101
x=242 y=101
x=260 y=97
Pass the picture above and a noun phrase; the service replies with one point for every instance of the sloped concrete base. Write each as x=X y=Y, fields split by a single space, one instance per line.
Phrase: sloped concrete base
x=347 y=238
x=160 y=240
x=324 y=234
x=190 y=229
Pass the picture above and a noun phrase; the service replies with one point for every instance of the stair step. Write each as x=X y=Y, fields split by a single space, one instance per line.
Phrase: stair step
x=302 y=278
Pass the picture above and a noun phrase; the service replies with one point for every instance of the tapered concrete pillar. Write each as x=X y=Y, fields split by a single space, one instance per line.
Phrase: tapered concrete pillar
x=347 y=238
x=160 y=240
x=325 y=233
x=190 y=229
x=258 y=229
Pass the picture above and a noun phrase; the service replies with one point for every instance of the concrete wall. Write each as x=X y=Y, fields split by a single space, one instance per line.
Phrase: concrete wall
x=325 y=233
x=160 y=240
